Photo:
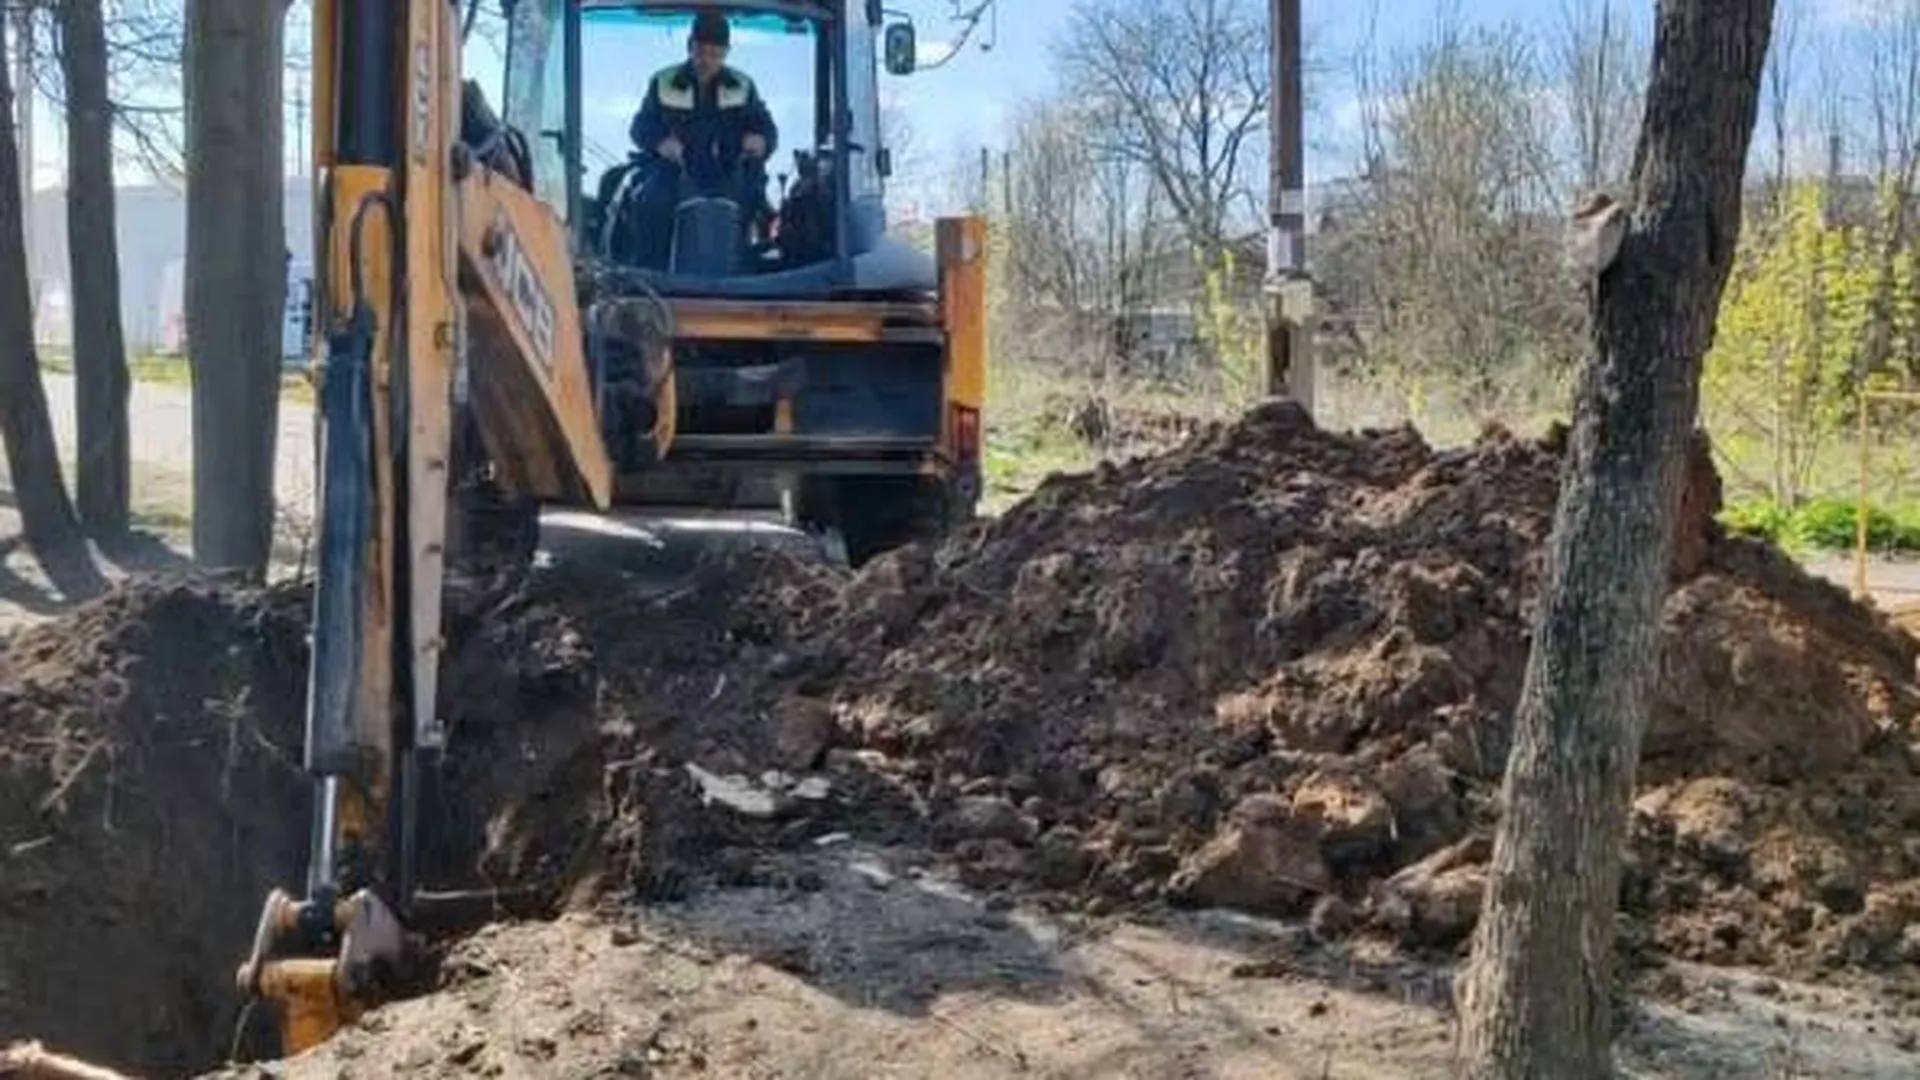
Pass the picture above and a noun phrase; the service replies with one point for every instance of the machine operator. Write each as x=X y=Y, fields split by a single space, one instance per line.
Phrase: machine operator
x=703 y=129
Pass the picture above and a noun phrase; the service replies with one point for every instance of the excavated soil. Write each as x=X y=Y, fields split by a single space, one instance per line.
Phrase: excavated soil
x=151 y=792
x=1272 y=670
x=149 y=798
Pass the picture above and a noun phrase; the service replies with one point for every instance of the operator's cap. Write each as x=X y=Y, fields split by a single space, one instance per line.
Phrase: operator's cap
x=710 y=28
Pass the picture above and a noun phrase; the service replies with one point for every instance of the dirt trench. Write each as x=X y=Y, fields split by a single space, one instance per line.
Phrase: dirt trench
x=151 y=794
x=149 y=797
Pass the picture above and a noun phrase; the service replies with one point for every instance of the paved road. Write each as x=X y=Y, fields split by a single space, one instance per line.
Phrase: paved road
x=161 y=418
x=1890 y=582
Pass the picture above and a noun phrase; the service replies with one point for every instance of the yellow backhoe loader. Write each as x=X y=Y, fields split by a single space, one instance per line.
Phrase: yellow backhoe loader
x=485 y=347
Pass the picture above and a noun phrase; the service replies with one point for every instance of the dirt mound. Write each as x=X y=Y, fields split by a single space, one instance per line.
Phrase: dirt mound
x=1274 y=670
x=149 y=796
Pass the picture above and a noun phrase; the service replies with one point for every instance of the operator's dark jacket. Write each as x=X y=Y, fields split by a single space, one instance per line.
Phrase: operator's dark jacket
x=709 y=121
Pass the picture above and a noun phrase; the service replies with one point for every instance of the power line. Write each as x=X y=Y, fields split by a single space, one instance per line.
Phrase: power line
x=970 y=15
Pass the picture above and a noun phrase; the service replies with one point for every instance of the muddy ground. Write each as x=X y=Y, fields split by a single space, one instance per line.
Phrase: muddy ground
x=1269 y=673
x=864 y=963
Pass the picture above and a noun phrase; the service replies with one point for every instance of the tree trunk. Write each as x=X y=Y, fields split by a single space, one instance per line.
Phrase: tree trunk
x=103 y=486
x=1535 y=997
x=47 y=516
x=235 y=273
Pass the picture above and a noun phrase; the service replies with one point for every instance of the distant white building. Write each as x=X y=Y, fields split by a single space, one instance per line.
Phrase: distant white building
x=172 y=338
x=152 y=231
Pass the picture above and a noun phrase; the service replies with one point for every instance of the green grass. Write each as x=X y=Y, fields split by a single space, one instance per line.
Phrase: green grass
x=160 y=370
x=161 y=519
x=1824 y=516
x=175 y=371
x=1019 y=455
x=1029 y=406
x=1826 y=524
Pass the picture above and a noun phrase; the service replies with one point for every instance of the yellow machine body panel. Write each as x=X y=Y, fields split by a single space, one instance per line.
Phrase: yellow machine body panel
x=432 y=324
x=528 y=345
x=696 y=319
x=961 y=252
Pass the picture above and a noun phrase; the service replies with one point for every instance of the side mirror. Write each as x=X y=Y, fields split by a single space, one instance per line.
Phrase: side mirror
x=900 y=48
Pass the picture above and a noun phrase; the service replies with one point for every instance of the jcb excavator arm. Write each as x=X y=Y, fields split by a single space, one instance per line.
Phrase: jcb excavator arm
x=446 y=292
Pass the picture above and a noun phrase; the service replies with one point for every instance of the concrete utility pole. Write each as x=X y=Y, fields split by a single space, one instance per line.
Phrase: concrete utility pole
x=1289 y=290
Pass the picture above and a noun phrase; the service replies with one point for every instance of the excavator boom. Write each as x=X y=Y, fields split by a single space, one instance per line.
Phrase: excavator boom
x=446 y=291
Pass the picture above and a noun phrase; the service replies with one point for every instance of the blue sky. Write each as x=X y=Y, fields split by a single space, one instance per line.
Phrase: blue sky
x=964 y=104
x=961 y=106
x=949 y=105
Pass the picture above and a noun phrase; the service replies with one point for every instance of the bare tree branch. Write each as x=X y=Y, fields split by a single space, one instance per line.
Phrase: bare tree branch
x=1185 y=83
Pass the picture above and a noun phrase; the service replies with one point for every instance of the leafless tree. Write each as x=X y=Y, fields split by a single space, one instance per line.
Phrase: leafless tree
x=1049 y=161
x=104 y=485
x=1600 y=55
x=1893 y=91
x=1444 y=254
x=1782 y=64
x=1828 y=112
x=1055 y=176
x=1185 y=83
x=145 y=44
x=1086 y=229
x=235 y=273
x=1893 y=104
x=1536 y=997
x=144 y=40
x=47 y=515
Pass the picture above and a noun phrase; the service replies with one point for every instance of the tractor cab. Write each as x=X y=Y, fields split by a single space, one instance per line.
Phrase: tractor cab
x=777 y=351
x=810 y=222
